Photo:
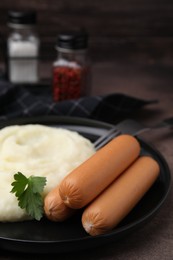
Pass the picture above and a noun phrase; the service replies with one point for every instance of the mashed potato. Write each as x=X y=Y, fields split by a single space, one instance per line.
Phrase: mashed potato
x=37 y=150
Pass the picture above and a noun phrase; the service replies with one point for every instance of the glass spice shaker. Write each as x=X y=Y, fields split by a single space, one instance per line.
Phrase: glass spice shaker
x=71 y=70
x=22 y=47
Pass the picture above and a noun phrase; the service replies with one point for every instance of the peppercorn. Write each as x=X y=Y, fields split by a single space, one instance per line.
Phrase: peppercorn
x=71 y=69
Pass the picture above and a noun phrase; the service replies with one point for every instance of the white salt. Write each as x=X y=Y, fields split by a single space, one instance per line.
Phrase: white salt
x=23 y=61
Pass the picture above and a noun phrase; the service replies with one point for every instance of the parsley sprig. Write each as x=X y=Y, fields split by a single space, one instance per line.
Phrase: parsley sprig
x=28 y=192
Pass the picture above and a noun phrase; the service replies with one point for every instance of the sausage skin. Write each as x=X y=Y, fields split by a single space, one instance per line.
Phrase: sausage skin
x=54 y=207
x=88 y=180
x=116 y=201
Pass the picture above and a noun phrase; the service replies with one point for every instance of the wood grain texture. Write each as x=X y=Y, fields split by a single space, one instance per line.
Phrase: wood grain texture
x=126 y=28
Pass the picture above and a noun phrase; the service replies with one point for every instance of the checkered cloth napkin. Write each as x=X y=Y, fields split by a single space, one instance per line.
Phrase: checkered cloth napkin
x=27 y=101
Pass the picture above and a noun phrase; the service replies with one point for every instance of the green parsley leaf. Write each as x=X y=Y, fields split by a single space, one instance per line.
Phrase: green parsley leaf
x=19 y=184
x=28 y=192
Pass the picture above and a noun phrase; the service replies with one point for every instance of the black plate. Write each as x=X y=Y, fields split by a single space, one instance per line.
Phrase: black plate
x=47 y=237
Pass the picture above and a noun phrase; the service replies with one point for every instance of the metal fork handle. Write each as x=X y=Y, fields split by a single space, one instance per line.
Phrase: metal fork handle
x=126 y=126
x=110 y=132
x=129 y=126
x=106 y=138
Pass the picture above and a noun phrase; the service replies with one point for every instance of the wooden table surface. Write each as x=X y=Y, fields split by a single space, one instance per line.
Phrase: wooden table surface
x=154 y=241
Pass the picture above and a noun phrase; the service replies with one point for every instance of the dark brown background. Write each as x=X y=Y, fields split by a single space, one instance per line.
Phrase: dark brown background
x=131 y=44
x=126 y=29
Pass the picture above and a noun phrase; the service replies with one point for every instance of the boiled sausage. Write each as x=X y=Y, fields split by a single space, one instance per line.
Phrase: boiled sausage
x=54 y=207
x=88 y=180
x=116 y=201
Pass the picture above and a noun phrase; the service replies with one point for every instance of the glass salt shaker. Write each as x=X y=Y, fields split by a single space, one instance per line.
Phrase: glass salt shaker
x=71 y=70
x=22 y=47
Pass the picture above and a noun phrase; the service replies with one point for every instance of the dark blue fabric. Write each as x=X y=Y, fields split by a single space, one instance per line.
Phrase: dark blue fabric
x=24 y=101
